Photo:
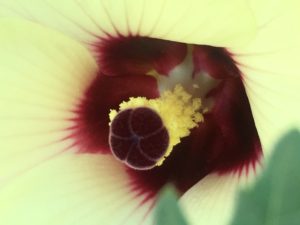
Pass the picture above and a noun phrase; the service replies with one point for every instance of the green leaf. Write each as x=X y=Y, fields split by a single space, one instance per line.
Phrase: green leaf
x=167 y=210
x=275 y=198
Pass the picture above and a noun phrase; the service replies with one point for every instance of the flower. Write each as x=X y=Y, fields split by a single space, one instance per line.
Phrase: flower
x=44 y=177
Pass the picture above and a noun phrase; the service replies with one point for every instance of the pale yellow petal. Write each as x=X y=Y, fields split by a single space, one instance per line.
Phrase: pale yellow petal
x=193 y=21
x=213 y=199
x=73 y=190
x=212 y=22
x=270 y=65
x=67 y=16
x=42 y=77
x=42 y=181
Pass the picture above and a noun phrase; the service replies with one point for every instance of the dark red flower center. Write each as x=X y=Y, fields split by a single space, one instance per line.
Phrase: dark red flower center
x=226 y=141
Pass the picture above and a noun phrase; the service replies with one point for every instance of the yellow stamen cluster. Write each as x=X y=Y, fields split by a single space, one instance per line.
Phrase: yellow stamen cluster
x=177 y=109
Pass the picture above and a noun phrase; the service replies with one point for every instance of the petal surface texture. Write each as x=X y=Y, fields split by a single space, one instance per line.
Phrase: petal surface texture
x=43 y=76
x=270 y=64
x=213 y=198
x=73 y=189
x=42 y=181
x=210 y=22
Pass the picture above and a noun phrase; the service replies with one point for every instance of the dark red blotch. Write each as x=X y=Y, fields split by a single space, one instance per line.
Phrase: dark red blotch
x=227 y=141
x=138 y=55
x=105 y=93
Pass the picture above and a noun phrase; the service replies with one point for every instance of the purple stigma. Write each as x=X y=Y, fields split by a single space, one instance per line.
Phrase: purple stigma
x=138 y=138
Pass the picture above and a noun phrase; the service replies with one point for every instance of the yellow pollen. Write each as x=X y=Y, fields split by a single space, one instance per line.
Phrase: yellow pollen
x=177 y=109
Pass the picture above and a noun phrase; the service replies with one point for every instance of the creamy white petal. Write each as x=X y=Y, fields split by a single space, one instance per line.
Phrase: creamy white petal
x=212 y=22
x=212 y=200
x=270 y=64
x=43 y=76
x=73 y=190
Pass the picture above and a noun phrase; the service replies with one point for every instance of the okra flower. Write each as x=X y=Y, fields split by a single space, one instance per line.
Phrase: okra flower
x=105 y=102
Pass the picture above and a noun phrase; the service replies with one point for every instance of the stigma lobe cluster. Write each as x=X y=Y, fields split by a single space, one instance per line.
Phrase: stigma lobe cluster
x=138 y=138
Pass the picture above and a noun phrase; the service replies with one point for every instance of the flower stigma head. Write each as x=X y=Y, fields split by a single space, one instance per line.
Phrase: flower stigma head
x=144 y=131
